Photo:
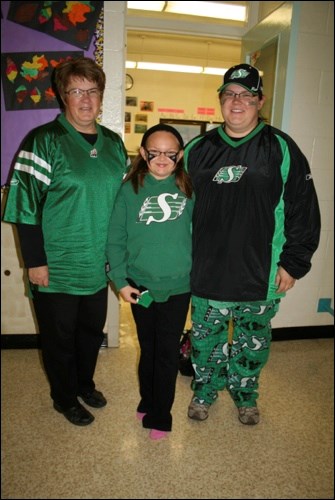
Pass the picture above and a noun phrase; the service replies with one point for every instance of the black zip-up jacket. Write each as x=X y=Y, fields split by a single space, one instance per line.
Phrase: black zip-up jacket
x=255 y=209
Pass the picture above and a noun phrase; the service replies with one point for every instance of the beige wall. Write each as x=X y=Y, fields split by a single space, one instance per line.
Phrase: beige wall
x=17 y=315
x=184 y=93
x=266 y=8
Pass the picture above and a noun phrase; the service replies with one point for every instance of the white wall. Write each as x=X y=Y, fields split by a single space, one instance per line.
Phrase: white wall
x=308 y=118
x=113 y=115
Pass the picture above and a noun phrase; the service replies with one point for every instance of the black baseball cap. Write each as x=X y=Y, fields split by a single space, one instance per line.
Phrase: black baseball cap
x=245 y=75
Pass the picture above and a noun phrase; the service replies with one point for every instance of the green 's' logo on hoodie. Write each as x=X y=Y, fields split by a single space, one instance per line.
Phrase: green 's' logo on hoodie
x=162 y=208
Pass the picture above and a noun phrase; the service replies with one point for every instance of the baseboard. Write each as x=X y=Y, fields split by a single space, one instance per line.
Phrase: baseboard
x=32 y=341
x=303 y=332
x=28 y=341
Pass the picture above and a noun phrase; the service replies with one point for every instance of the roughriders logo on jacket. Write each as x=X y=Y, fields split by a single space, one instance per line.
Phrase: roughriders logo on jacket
x=229 y=174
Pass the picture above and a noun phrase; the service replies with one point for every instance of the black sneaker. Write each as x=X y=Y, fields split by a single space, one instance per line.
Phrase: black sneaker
x=95 y=399
x=77 y=415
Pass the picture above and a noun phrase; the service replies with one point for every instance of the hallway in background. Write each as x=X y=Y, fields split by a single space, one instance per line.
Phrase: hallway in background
x=289 y=454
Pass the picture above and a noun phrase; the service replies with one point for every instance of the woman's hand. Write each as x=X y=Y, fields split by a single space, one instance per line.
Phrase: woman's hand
x=284 y=281
x=39 y=275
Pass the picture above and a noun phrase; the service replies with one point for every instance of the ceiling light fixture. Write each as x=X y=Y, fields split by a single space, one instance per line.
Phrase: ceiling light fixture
x=236 y=11
x=153 y=6
x=217 y=10
x=176 y=68
x=214 y=71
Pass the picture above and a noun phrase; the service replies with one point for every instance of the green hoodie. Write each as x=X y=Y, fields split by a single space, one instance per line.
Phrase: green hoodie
x=149 y=238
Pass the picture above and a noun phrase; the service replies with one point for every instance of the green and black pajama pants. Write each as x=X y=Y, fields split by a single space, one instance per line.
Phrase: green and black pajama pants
x=234 y=359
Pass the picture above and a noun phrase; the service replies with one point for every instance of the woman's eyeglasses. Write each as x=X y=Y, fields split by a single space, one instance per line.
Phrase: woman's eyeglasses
x=79 y=93
x=243 y=96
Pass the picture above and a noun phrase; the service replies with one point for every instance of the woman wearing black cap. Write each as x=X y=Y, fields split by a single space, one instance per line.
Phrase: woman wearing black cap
x=256 y=226
x=149 y=256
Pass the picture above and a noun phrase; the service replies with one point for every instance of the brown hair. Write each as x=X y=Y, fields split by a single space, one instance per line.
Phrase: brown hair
x=139 y=168
x=83 y=68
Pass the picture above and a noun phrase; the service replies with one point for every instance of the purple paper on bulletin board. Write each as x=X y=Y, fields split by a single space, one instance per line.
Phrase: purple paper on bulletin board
x=71 y=22
x=26 y=78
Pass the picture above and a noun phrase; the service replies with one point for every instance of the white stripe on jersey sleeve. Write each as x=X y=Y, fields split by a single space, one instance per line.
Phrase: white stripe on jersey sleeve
x=30 y=170
x=35 y=159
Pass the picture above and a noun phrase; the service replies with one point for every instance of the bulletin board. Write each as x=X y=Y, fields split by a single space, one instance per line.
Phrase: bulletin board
x=25 y=42
x=187 y=128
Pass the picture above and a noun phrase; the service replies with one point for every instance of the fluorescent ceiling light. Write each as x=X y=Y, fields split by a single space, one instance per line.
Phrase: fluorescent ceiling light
x=218 y=10
x=208 y=9
x=178 y=68
x=214 y=71
x=154 y=6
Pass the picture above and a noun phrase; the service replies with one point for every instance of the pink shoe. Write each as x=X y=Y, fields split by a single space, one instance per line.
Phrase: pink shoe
x=140 y=415
x=156 y=434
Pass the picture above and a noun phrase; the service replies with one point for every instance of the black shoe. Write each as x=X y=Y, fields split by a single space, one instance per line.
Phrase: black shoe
x=77 y=415
x=95 y=399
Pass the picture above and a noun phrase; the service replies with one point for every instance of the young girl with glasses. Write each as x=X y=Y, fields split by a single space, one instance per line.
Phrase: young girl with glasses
x=149 y=258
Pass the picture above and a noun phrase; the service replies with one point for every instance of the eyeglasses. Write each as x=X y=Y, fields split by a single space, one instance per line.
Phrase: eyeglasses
x=156 y=154
x=243 y=96
x=79 y=93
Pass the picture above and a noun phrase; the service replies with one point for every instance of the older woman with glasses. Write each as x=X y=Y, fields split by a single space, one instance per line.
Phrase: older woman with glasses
x=62 y=191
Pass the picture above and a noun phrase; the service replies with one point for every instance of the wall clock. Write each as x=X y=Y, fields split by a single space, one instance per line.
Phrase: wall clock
x=129 y=82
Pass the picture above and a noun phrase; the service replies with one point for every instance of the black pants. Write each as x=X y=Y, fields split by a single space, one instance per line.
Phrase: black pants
x=71 y=331
x=159 y=328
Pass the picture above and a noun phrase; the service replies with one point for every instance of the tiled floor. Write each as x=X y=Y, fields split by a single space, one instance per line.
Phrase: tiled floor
x=289 y=454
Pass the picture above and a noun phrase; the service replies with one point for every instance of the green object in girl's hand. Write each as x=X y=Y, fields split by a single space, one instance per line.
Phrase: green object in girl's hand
x=144 y=299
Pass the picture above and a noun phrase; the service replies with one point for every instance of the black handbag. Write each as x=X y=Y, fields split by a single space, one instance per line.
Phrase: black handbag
x=185 y=363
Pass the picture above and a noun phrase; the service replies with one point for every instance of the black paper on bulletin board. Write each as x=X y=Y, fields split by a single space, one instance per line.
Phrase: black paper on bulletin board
x=26 y=78
x=71 y=22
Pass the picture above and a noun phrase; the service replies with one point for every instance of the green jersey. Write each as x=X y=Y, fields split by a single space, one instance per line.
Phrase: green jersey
x=66 y=185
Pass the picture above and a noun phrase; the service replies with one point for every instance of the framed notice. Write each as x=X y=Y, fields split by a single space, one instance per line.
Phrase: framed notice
x=187 y=128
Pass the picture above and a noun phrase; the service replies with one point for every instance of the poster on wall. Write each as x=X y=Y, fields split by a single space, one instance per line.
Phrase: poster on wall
x=140 y=129
x=131 y=101
x=146 y=105
x=71 y=22
x=26 y=78
x=139 y=117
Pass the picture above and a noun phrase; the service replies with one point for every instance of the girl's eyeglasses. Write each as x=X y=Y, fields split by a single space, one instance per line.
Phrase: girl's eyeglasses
x=156 y=154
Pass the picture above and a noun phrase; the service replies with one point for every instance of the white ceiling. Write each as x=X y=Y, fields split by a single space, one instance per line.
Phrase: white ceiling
x=182 y=49
x=179 y=39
